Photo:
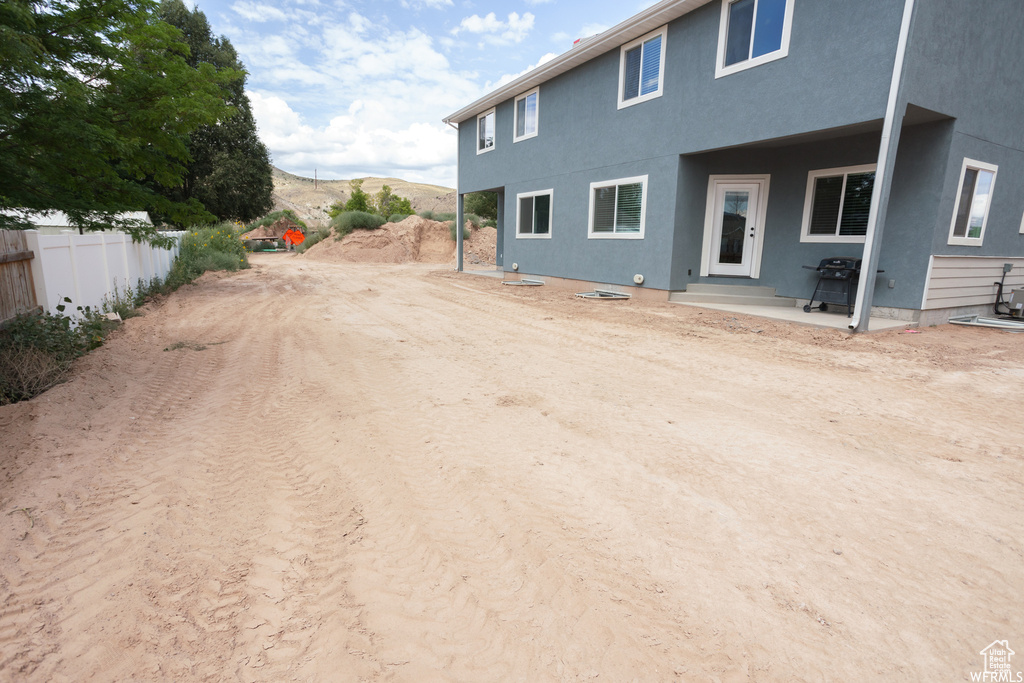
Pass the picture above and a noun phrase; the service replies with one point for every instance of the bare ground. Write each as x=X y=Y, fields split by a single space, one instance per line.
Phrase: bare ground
x=315 y=471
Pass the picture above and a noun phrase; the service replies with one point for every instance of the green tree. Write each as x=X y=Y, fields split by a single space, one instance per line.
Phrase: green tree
x=386 y=203
x=229 y=171
x=97 y=102
x=357 y=201
x=483 y=204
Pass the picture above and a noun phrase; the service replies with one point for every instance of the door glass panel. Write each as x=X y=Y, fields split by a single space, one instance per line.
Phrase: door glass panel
x=734 y=225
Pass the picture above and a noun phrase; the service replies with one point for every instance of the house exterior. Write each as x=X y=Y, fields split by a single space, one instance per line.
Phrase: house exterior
x=731 y=142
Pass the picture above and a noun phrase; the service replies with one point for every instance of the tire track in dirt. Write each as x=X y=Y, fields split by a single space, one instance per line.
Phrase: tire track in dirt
x=372 y=474
x=448 y=589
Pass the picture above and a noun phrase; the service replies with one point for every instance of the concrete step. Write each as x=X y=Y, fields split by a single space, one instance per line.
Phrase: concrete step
x=731 y=294
x=734 y=290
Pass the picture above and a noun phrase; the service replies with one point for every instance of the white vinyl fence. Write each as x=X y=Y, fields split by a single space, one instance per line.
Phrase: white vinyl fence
x=89 y=268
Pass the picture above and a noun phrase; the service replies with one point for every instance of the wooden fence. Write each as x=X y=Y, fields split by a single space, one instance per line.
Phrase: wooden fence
x=17 y=291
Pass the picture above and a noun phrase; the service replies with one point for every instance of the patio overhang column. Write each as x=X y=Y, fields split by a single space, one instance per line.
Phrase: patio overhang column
x=894 y=112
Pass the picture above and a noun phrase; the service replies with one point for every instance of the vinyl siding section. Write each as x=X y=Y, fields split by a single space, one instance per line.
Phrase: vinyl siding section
x=957 y=281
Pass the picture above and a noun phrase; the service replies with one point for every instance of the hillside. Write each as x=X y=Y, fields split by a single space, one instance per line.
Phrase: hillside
x=311 y=203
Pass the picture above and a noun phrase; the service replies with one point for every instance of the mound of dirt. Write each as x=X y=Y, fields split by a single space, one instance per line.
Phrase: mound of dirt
x=276 y=229
x=413 y=239
x=479 y=248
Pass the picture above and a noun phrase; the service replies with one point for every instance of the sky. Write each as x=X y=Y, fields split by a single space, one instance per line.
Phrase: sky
x=351 y=89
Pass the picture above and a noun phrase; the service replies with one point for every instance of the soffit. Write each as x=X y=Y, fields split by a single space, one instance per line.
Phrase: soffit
x=587 y=49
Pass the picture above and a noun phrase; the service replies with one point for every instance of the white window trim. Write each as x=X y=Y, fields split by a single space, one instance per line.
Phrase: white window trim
x=722 y=70
x=476 y=133
x=1022 y=225
x=805 y=228
x=551 y=209
x=978 y=166
x=515 y=116
x=642 y=179
x=661 y=68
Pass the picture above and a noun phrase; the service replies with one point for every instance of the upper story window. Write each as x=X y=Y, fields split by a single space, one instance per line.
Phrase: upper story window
x=752 y=32
x=641 y=68
x=526 y=116
x=837 y=204
x=485 y=132
x=973 y=199
x=533 y=214
x=618 y=208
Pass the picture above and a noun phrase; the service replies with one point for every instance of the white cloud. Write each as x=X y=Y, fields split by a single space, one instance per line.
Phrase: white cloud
x=508 y=78
x=496 y=31
x=372 y=99
x=592 y=30
x=430 y=4
x=257 y=11
x=585 y=31
x=354 y=145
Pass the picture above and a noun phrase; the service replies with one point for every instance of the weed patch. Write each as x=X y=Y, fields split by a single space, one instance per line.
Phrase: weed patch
x=215 y=248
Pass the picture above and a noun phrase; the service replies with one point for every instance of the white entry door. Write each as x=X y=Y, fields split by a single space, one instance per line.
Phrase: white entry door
x=734 y=229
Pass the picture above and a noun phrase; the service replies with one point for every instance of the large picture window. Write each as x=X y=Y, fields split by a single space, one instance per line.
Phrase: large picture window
x=641 y=66
x=618 y=208
x=973 y=200
x=527 y=115
x=485 y=132
x=533 y=214
x=837 y=204
x=752 y=32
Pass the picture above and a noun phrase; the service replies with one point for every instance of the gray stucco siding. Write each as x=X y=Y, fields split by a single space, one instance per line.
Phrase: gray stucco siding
x=1002 y=233
x=965 y=59
x=912 y=213
x=830 y=78
x=571 y=253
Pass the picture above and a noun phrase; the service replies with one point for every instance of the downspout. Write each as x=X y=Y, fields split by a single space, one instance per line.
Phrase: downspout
x=883 y=182
x=458 y=204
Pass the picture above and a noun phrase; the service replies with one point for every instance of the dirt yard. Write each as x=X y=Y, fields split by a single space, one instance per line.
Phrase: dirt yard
x=360 y=472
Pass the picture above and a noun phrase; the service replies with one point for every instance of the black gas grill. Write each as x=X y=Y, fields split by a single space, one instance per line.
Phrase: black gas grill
x=837 y=283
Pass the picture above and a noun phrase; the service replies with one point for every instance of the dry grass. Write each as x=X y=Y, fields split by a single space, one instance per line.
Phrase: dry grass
x=27 y=372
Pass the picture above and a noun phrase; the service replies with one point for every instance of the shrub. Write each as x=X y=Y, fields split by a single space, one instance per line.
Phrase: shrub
x=314 y=238
x=474 y=219
x=489 y=223
x=398 y=217
x=346 y=222
x=466 y=232
x=429 y=215
x=273 y=217
x=28 y=372
x=215 y=248
x=444 y=216
x=37 y=349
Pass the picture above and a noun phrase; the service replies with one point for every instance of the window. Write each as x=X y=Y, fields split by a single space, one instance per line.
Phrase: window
x=485 y=132
x=973 y=198
x=533 y=217
x=752 y=32
x=837 y=204
x=526 y=115
x=640 y=68
x=618 y=208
